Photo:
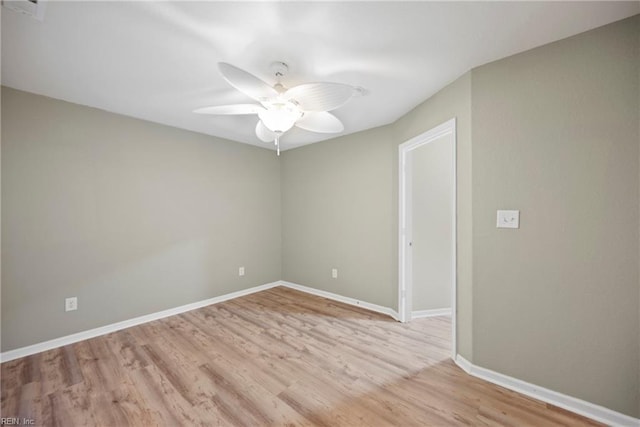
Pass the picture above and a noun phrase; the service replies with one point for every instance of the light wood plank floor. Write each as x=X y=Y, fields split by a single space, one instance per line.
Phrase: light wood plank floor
x=274 y=358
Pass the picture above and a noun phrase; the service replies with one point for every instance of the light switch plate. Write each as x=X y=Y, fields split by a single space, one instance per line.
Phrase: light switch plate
x=508 y=219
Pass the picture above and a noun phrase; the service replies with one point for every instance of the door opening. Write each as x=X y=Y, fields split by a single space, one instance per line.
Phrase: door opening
x=427 y=225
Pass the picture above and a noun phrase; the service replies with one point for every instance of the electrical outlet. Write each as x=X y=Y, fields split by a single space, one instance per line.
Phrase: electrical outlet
x=241 y=271
x=334 y=273
x=71 y=304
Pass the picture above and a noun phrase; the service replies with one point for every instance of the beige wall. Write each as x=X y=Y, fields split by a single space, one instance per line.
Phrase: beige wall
x=432 y=224
x=129 y=216
x=555 y=134
x=337 y=212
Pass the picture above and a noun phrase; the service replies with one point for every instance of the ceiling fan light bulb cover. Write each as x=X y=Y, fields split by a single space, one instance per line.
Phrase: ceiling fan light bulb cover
x=280 y=117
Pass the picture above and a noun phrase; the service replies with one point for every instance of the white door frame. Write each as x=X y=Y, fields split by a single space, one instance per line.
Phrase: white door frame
x=405 y=223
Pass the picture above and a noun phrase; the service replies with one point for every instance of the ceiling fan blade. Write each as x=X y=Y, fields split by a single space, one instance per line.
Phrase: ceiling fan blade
x=322 y=122
x=320 y=96
x=263 y=133
x=231 y=109
x=246 y=83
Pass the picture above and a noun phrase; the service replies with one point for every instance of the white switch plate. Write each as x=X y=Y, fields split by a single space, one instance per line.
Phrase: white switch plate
x=334 y=273
x=241 y=271
x=71 y=304
x=508 y=219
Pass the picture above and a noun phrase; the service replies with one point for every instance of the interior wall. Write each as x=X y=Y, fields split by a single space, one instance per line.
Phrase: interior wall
x=432 y=224
x=129 y=216
x=337 y=212
x=555 y=135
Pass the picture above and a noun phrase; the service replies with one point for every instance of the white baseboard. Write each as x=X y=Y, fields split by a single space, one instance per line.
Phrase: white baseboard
x=107 y=329
x=431 y=313
x=103 y=330
x=590 y=410
x=347 y=300
x=573 y=404
x=463 y=363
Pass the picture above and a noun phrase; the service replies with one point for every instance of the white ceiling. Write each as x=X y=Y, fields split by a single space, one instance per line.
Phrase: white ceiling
x=158 y=60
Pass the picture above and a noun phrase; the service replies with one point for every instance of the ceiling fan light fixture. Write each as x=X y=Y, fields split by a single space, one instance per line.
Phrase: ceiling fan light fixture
x=280 y=116
x=305 y=106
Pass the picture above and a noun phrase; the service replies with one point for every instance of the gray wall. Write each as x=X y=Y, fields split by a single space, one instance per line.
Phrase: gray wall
x=432 y=224
x=129 y=216
x=555 y=134
x=337 y=212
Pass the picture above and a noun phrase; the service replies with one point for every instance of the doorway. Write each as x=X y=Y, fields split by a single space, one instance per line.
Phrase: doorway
x=427 y=226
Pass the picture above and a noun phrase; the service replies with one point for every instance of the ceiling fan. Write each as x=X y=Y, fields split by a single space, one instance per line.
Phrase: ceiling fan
x=306 y=106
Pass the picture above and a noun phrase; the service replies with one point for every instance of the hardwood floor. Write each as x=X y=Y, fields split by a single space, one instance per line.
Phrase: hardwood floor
x=274 y=358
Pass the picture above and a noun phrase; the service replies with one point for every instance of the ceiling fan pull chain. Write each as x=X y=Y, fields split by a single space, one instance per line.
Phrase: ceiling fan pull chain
x=278 y=145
